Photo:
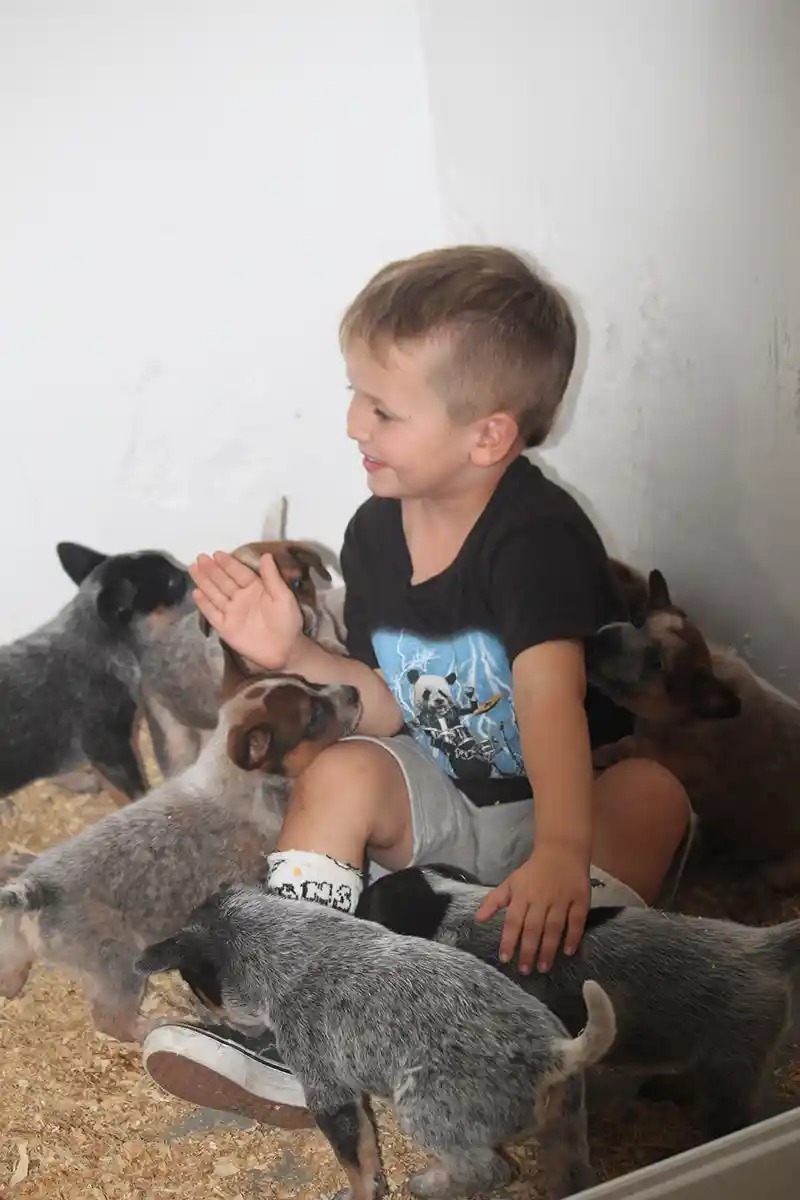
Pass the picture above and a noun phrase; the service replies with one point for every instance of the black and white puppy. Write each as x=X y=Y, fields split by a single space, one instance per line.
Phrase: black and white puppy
x=69 y=690
x=708 y=999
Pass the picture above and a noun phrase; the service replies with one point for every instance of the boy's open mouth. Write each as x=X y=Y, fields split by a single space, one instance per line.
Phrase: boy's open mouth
x=372 y=464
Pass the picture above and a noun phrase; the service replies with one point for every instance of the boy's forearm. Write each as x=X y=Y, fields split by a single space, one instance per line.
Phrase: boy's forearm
x=381 y=716
x=557 y=754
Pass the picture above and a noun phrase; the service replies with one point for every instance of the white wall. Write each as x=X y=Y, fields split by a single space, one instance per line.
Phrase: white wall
x=648 y=154
x=192 y=190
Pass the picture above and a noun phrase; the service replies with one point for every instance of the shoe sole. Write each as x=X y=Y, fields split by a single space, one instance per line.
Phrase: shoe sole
x=190 y=1067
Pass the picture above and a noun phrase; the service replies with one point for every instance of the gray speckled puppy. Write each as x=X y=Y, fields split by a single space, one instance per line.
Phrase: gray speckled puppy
x=704 y=998
x=468 y=1060
x=91 y=904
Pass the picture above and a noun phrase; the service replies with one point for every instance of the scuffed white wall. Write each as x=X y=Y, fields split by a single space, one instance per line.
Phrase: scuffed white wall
x=648 y=155
x=191 y=193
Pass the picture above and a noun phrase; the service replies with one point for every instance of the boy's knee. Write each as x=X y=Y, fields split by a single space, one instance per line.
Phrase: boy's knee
x=353 y=793
x=351 y=771
x=647 y=793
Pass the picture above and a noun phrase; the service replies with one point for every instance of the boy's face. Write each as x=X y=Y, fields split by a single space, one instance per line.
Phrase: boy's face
x=411 y=447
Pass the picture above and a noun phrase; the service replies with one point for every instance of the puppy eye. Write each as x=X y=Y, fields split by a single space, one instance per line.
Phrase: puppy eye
x=295 y=584
x=316 y=720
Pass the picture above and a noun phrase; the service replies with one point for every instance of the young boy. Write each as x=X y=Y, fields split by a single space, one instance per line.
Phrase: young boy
x=470 y=582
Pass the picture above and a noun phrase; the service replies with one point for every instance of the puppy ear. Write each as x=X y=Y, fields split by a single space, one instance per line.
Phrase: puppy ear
x=115 y=603
x=451 y=678
x=309 y=558
x=78 y=561
x=713 y=699
x=161 y=956
x=412 y=676
x=660 y=598
x=248 y=747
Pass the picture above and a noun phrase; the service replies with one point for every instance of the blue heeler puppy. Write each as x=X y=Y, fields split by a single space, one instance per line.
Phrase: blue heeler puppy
x=467 y=1058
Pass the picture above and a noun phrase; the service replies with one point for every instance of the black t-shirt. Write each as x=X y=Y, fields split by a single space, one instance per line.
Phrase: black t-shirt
x=532 y=569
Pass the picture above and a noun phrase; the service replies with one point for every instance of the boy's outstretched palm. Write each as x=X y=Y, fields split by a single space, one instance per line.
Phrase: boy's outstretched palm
x=258 y=615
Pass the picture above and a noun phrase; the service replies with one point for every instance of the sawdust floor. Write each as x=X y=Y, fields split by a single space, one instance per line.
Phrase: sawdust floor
x=79 y=1118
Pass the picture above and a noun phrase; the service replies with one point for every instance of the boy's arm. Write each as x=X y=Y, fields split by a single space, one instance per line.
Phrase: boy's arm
x=381 y=716
x=547 y=898
x=551 y=587
x=549 y=689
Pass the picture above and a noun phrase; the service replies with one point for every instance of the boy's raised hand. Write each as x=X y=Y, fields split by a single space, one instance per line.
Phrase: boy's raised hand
x=258 y=615
x=547 y=898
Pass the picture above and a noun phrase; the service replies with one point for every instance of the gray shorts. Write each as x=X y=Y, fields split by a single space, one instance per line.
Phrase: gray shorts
x=491 y=841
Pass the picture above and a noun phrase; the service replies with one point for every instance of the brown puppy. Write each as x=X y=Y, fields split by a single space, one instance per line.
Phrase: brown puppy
x=731 y=738
x=634 y=588
x=90 y=904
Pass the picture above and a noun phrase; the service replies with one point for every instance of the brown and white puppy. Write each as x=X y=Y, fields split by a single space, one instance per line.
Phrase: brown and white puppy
x=731 y=738
x=89 y=905
x=296 y=561
x=182 y=662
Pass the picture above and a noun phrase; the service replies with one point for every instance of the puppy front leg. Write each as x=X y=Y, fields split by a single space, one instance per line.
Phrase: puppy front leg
x=108 y=745
x=349 y=1125
x=113 y=758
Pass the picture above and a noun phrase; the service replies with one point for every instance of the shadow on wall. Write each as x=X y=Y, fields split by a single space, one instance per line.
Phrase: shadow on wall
x=699 y=495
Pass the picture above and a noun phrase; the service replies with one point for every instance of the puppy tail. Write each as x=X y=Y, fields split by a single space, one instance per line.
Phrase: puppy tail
x=598 y=1036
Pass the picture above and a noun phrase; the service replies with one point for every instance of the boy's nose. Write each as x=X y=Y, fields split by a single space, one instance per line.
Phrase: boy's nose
x=356 y=422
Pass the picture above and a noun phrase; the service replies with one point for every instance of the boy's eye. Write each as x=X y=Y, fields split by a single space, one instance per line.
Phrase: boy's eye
x=381 y=415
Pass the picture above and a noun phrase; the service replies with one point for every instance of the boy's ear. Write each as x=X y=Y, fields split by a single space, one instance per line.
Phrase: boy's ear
x=78 y=561
x=495 y=437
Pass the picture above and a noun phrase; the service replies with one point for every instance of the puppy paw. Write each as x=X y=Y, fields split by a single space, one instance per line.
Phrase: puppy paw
x=435 y=1181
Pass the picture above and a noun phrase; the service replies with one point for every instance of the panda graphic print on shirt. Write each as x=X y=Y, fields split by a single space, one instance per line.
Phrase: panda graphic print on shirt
x=455 y=696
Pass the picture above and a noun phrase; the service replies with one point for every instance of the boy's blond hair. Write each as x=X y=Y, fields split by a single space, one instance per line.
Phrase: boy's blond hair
x=507 y=336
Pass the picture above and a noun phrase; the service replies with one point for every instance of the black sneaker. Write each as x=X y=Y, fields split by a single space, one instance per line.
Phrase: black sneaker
x=217 y=1067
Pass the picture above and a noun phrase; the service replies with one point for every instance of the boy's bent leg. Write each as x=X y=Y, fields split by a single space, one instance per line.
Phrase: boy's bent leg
x=352 y=798
x=642 y=824
x=357 y=794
